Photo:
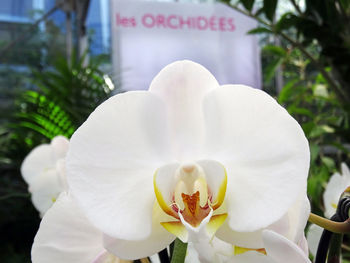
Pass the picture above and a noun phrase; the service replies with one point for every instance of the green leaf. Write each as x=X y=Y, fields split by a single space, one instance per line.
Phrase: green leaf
x=314 y=150
x=179 y=252
x=248 y=4
x=320 y=130
x=260 y=30
x=270 y=8
x=287 y=91
x=298 y=110
x=275 y=50
x=308 y=127
x=330 y=164
x=287 y=21
x=269 y=72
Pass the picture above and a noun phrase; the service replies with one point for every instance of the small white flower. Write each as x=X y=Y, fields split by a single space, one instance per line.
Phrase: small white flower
x=151 y=165
x=43 y=169
x=336 y=186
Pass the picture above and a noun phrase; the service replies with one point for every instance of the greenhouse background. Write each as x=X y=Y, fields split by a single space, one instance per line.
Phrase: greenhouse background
x=57 y=65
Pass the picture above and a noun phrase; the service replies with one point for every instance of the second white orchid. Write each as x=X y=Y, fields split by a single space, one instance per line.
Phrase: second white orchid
x=44 y=171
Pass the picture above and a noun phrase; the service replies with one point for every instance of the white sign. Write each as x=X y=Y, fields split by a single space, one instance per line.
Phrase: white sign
x=146 y=36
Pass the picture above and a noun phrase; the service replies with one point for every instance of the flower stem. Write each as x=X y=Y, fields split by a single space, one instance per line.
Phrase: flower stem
x=179 y=253
x=335 y=227
x=335 y=249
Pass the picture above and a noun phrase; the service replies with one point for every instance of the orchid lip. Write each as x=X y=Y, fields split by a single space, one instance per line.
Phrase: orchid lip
x=187 y=193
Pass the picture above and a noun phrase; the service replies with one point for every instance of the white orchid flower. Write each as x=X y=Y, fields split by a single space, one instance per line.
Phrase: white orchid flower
x=337 y=184
x=43 y=169
x=185 y=153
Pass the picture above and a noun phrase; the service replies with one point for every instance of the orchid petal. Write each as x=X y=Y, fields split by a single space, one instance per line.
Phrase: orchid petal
x=39 y=159
x=61 y=173
x=313 y=236
x=157 y=241
x=191 y=254
x=263 y=149
x=280 y=249
x=216 y=251
x=242 y=239
x=126 y=135
x=164 y=183
x=252 y=257
x=216 y=177
x=106 y=257
x=65 y=235
x=291 y=225
x=298 y=216
x=45 y=189
x=60 y=146
x=345 y=170
x=182 y=86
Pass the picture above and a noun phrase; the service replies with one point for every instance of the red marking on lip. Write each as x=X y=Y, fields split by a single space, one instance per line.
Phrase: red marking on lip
x=194 y=213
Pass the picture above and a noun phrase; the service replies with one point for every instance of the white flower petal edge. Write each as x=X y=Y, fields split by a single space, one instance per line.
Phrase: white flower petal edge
x=157 y=241
x=280 y=249
x=65 y=235
x=291 y=225
x=336 y=186
x=264 y=150
x=313 y=237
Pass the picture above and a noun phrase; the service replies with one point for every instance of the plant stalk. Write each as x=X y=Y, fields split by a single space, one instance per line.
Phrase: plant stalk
x=335 y=227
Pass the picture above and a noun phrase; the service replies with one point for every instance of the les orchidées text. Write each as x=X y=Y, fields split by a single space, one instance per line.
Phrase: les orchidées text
x=212 y=23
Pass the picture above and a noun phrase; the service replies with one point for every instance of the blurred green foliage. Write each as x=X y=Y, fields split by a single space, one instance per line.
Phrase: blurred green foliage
x=62 y=97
